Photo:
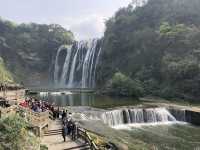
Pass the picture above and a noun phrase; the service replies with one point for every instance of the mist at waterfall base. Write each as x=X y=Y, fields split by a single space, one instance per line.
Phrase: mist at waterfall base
x=75 y=65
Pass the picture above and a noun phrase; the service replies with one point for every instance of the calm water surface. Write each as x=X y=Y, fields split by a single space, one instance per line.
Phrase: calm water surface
x=86 y=99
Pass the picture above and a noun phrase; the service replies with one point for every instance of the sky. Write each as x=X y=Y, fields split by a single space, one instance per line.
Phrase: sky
x=85 y=18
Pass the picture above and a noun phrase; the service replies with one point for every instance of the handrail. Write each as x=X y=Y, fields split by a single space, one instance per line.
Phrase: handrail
x=87 y=138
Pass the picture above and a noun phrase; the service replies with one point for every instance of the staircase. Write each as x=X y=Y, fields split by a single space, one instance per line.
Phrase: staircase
x=54 y=140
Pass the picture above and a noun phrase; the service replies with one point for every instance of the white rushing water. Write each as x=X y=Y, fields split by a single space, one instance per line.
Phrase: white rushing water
x=71 y=76
x=66 y=66
x=57 y=67
x=134 y=117
x=80 y=64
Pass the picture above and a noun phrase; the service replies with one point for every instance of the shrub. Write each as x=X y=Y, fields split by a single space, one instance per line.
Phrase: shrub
x=121 y=85
x=14 y=134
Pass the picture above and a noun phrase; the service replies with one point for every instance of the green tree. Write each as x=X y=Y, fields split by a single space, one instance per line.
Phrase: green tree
x=156 y=43
x=122 y=85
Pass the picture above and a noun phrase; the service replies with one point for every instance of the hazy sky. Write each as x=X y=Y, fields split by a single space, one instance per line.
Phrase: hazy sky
x=84 y=17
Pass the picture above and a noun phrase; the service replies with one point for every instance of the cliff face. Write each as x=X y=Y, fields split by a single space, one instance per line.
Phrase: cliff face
x=28 y=50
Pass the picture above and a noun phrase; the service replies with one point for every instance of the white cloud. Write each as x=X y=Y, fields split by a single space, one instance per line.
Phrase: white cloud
x=86 y=27
x=84 y=17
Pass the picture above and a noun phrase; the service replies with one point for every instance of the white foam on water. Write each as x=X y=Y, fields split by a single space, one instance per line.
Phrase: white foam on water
x=85 y=117
x=140 y=125
x=43 y=93
x=55 y=93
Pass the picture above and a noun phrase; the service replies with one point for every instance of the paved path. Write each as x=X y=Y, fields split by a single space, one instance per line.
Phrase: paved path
x=55 y=142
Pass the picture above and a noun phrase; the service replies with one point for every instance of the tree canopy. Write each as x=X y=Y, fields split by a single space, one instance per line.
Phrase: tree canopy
x=156 y=43
x=28 y=49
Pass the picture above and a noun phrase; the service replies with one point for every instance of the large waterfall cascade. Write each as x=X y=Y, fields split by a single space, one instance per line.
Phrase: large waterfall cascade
x=79 y=67
x=137 y=116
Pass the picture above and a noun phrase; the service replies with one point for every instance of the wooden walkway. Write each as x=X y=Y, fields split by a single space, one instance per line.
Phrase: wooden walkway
x=54 y=140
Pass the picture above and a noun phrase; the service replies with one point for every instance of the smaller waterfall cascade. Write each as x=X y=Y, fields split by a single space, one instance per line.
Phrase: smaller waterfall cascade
x=80 y=64
x=179 y=114
x=131 y=116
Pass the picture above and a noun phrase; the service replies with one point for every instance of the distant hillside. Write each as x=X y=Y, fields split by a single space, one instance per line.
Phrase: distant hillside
x=29 y=49
x=158 y=45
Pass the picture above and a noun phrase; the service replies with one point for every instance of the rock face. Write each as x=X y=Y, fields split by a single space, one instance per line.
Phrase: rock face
x=193 y=117
x=28 y=50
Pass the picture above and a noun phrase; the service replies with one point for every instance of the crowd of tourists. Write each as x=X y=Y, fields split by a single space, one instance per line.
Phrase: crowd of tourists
x=37 y=105
x=69 y=128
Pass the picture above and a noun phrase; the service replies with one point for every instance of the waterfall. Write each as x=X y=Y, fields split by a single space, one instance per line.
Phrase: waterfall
x=66 y=66
x=135 y=116
x=95 y=68
x=57 y=68
x=113 y=118
x=80 y=64
x=179 y=114
x=88 y=64
x=71 y=76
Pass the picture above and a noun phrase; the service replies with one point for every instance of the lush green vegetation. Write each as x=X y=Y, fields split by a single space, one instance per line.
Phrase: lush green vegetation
x=5 y=75
x=156 y=44
x=121 y=85
x=28 y=49
x=15 y=136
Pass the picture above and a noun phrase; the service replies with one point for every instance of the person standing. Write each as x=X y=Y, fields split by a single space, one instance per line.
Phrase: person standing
x=63 y=114
x=69 y=126
x=64 y=132
x=65 y=121
x=58 y=112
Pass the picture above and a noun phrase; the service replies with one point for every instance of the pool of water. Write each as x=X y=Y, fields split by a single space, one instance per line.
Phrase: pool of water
x=86 y=99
